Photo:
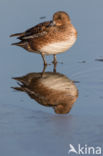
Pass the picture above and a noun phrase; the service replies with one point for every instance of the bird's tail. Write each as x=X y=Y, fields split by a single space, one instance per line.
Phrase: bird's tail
x=18 y=88
x=17 y=34
x=20 y=79
x=21 y=82
x=22 y=44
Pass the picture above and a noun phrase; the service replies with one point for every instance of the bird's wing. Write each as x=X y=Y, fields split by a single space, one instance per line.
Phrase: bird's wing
x=36 y=31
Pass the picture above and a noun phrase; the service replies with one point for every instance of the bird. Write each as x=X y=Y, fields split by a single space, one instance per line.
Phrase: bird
x=50 y=37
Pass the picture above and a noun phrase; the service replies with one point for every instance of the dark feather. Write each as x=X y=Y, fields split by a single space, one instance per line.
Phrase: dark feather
x=36 y=31
x=19 y=44
x=17 y=34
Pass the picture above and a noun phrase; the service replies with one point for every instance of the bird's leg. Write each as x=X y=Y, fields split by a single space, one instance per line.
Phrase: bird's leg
x=54 y=69
x=54 y=61
x=43 y=57
x=43 y=71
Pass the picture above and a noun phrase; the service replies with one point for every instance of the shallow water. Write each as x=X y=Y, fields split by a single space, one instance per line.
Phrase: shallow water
x=27 y=128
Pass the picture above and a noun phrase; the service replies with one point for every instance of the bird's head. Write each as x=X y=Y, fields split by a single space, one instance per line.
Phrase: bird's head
x=61 y=18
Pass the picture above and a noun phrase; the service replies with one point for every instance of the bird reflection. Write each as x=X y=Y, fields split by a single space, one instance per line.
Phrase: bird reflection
x=49 y=89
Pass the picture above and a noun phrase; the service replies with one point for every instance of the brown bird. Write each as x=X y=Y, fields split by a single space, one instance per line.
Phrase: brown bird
x=52 y=89
x=49 y=38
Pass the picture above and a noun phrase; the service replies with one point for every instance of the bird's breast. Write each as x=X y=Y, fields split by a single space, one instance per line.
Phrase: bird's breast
x=58 y=47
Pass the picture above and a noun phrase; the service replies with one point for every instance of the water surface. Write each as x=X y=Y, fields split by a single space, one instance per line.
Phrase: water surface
x=27 y=128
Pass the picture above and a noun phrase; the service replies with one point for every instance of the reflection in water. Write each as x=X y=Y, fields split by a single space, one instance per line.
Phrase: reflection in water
x=49 y=89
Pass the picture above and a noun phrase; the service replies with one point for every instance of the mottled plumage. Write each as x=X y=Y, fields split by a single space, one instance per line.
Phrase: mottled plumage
x=49 y=38
x=52 y=89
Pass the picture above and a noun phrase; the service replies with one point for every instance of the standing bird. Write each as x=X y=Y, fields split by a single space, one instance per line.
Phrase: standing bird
x=49 y=38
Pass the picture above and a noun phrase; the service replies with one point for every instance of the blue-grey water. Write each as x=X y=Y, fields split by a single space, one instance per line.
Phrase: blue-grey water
x=27 y=128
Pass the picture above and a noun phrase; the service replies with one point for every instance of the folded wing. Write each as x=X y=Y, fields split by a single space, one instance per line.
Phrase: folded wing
x=37 y=31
